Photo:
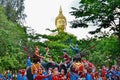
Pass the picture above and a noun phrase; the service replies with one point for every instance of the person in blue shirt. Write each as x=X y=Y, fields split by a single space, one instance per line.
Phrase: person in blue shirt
x=28 y=62
x=19 y=76
x=24 y=77
x=50 y=77
x=9 y=76
x=45 y=74
x=1 y=76
x=74 y=76
x=35 y=74
x=50 y=72
x=88 y=75
x=109 y=75
x=4 y=78
x=75 y=49
x=114 y=72
x=118 y=73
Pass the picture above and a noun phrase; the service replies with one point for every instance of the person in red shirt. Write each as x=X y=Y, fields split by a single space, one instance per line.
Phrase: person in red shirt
x=78 y=67
x=93 y=75
x=62 y=75
x=89 y=64
x=96 y=75
x=37 y=57
x=66 y=57
x=83 y=75
x=68 y=74
x=55 y=74
x=37 y=52
x=55 y=77
x=40 y=76
x=104 y=72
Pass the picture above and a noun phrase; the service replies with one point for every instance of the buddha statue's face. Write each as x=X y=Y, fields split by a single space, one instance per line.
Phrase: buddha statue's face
x=61 y=23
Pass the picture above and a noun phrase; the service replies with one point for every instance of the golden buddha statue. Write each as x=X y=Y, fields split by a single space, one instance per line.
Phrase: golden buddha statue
x=60 y=21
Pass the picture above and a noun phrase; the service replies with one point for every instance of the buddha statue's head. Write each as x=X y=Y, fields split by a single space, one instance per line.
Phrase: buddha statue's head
x=60 y=21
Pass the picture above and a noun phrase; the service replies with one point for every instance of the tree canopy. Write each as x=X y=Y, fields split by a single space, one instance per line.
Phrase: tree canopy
x=105 y=14
x=14 y=10
x=12 y=37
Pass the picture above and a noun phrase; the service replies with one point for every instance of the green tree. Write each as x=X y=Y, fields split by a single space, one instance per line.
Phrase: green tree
x=104 y=51
x=14 y=10
x=97 y=48
x=102 y=13
x=56 y=43
x=12 y=35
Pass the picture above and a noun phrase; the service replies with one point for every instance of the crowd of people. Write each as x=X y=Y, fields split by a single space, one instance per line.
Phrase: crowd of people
x=72 y=69
x=56 y=74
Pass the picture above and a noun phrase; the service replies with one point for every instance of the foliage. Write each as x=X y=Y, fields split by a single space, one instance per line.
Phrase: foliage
x=14 y=10
x=12 y=62
x=12 y=37
x=105 y=14
x=57 y=43
x=104 y=47
x=97 y=48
